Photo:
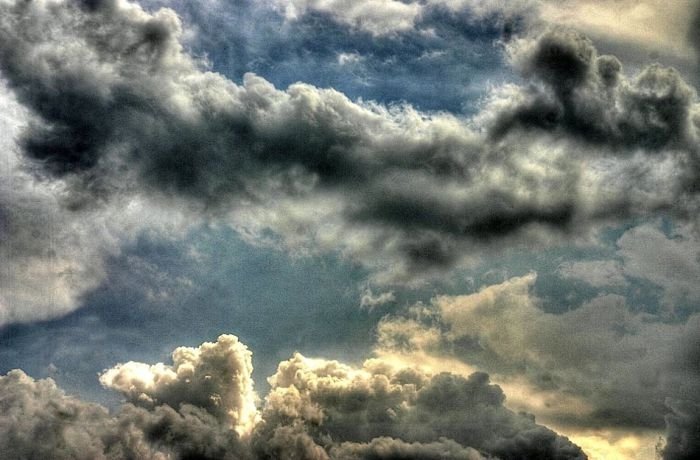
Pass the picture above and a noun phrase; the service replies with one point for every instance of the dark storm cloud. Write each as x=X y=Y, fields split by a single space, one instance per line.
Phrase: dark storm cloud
x=360 y=407
x=585 y=96
x=120 y=109
x=203 y=406
x=682 y=430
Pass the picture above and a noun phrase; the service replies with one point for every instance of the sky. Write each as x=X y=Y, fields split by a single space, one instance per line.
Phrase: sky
x=345 y=230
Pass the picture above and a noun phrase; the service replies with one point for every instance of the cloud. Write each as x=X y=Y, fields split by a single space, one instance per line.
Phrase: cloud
x=656 y=28
x=53 y=252
x=585 y=96
x=670 y=261
x=40 y=420
x=683 y=438
x=597 y=273
x=615 y=366
x=327 y=401
x=374 y=16
x=317 y=409
x=390 y=448
x=370 y=300
x=117 y=110
x=214 y=376
x=393 y=17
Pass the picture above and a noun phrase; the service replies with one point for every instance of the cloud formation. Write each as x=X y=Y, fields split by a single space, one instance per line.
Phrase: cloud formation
x=202 y=406
x=669 y=261
x=214 y=376
x=376 y=17
x=327 y=400
x=424 y=190
x=40 y=421
x=617 y=367
x=597 y=273
x=53 y=253
x=683 y=437
x=113 y=119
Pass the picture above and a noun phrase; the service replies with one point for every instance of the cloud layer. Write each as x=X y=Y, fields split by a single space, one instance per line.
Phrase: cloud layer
x=116 y=129
x=203 y=406
x=118 y=108
x=615 y=367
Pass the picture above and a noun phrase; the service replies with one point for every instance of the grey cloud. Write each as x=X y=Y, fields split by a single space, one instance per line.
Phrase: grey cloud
x=40 y=421
x=672 y=262
x=597 y=273
x=118 y=108
x=395 y=449
x=317 y=409
x=616 y=367
x=586 y=96
x=142 y=112
x=380 y=18
x=339 y=405
x=683 y=430
x=52 y=252
x=38 y=411
x=375 y=17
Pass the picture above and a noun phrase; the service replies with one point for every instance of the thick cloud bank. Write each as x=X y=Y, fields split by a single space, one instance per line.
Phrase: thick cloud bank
x=598 y=365
x=395 y=410
x=203 y=406
x=683 y=437
x=50 y=255
x=118 y=108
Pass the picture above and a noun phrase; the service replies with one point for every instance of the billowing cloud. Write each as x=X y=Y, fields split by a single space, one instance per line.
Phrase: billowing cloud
x=382 y=17
x=116 y=129
x=617 y=367
x=426 y=191
x=53 y=252
x=40 y=421
x=214 y=376
x=390 y=448
x=316 y=409
x=586 y=96
x=327 y=401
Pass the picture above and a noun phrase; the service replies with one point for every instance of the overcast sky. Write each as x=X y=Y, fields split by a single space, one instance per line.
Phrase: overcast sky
x=370 y=229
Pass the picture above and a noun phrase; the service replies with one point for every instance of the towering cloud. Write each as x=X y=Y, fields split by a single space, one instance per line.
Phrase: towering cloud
x=40 y=421
x=214 y=376
x=203 y=407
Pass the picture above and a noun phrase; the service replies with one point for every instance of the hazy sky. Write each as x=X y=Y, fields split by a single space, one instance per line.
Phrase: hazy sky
x=369 y=229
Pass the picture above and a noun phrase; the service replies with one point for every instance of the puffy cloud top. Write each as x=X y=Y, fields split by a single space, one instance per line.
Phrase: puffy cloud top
x=317 y=409
x=214 y=376
x=379 y=404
